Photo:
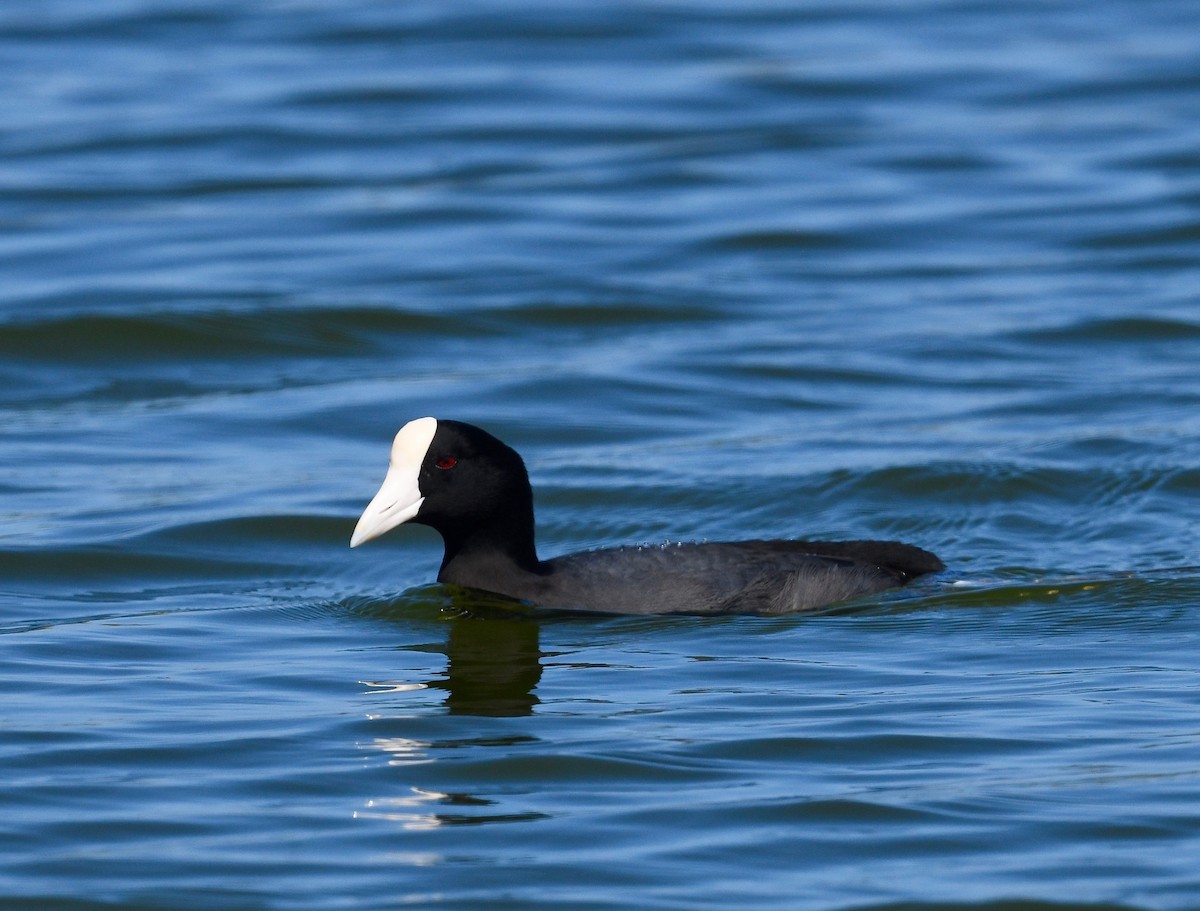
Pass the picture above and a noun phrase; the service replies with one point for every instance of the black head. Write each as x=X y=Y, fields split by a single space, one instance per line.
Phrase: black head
x=455 y=478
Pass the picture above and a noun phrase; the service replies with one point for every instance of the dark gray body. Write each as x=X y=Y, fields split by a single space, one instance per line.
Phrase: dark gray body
x=759 y=577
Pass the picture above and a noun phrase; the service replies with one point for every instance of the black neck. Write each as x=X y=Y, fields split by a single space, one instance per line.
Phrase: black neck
x=500 y=548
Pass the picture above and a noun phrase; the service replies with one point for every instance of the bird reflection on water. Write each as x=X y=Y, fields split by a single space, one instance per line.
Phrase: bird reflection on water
x=493 y=666
x=492 y=669
x=492 y=648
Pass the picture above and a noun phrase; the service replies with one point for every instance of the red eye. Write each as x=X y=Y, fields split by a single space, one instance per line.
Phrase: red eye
x=446 y=462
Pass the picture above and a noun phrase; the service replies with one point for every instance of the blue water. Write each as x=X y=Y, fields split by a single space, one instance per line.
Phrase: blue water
x=924 y=271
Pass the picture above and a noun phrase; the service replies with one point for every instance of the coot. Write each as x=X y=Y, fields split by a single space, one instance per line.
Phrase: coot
x=474 y=490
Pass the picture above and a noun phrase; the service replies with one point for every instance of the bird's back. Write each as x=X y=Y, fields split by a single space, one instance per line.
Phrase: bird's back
x=727 y=577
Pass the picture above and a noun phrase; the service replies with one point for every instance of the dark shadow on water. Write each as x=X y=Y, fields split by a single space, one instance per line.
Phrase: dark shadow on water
x=492 y=647
x=493 y=666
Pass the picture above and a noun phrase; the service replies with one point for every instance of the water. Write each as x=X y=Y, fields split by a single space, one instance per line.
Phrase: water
x=923 y=271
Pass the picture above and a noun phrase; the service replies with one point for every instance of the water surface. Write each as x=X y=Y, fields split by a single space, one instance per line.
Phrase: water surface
x=846 y=270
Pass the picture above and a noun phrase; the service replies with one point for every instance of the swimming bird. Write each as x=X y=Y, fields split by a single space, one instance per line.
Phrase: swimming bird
x=474 y=490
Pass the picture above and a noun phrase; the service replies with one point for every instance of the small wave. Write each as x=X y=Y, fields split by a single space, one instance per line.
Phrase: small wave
x=1112 y=331
x=1008 y=904
x=220 y=334
x=1164 y=588
x=781 y=239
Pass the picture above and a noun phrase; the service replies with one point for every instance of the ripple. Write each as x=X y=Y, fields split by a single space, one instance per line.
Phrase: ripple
x=1122 y=331
x=219 y=334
